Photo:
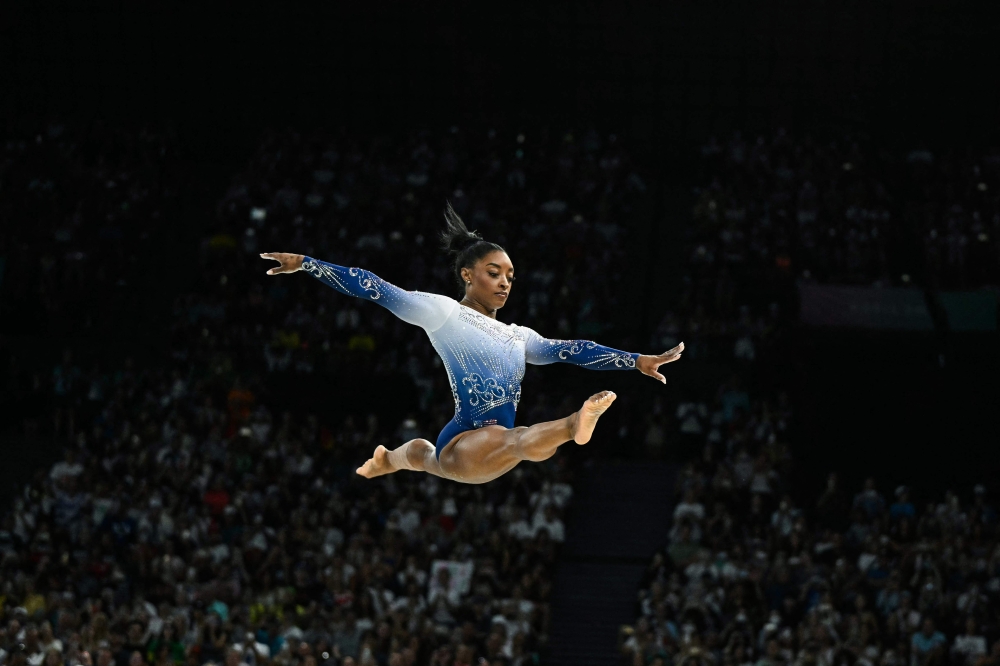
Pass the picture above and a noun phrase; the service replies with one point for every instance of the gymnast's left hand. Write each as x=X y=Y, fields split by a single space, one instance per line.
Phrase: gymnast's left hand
x=648 y=365
x=289 y=262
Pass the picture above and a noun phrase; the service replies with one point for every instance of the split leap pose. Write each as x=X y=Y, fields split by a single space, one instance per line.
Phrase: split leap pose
x=484 y=359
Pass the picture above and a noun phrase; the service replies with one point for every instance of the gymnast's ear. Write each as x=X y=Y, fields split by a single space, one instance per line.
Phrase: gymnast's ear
x=466 y=274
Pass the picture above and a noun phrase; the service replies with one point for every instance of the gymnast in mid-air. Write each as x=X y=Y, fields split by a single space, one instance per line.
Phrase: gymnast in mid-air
x=484 y=359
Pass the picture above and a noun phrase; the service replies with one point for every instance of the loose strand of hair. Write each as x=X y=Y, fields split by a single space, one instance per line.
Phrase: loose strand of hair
x=456 y=234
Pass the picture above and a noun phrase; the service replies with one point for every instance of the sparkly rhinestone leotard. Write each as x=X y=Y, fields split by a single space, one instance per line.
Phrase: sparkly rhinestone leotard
x=484 y=358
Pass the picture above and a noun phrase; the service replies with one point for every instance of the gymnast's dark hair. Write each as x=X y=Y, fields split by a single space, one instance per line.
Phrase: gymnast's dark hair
x=468 y=247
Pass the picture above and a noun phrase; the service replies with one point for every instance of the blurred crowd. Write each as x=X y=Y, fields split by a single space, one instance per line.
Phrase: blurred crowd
x=196 y=517
x=846 y=211
x=772 y=210
x=159 y=540
x=206 y=510
x=555 y=200
x=748 y=577
x=81 y=207
x=857 y=579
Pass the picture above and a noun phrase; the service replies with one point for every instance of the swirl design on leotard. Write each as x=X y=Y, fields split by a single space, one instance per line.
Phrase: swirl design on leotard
x=623 y=360
x=367 y=281
x=483 y=390
x=599 y=359
x=575 y=347
x=322 y=270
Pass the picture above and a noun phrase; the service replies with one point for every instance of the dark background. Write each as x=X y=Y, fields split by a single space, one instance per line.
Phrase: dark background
x=663 y=75
x=668 y=72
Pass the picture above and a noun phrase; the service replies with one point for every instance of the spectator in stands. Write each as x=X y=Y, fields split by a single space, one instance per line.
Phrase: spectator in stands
x=186 y=532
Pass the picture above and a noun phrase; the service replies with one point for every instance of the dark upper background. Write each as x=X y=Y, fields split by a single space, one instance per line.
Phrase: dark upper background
x=667 y=73
x=664 y=75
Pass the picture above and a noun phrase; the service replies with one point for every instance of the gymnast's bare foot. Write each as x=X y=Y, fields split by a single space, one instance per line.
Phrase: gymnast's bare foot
x=378 y=464
x=587 y=417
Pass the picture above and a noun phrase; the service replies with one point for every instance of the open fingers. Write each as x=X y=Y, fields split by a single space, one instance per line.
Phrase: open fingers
x=276 y=257
x=660 y=360
x=670 y=355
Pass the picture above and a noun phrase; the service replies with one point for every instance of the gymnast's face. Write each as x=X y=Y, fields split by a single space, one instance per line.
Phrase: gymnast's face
x=489 y=281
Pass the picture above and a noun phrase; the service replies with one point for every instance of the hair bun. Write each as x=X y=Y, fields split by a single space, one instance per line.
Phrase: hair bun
x=457 y=240
x=468 y=241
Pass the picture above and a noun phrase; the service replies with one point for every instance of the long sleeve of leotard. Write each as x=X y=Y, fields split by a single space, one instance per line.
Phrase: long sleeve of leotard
x=429 y=311
x=587 y=354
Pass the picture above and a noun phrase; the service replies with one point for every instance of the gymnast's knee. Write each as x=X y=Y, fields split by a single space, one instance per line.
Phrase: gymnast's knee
x=418 y=450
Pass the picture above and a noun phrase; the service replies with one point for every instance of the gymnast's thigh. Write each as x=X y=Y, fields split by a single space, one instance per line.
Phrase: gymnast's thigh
x=481 y=455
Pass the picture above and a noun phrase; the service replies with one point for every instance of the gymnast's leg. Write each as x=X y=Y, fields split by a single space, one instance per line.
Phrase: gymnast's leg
x=479 y=456
x=417 y=455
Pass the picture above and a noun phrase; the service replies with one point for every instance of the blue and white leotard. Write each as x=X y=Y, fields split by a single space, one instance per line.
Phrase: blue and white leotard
x=484 y=358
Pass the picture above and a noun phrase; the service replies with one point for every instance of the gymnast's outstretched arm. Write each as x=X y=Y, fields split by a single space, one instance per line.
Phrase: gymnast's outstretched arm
x=429 y=311
x=587 y=354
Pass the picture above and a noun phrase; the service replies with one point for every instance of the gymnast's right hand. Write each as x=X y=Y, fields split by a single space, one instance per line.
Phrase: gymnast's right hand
x=289 y=262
